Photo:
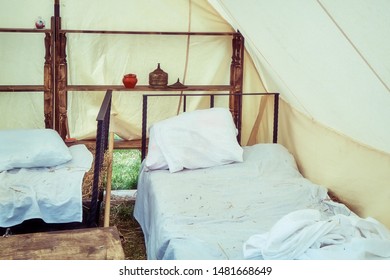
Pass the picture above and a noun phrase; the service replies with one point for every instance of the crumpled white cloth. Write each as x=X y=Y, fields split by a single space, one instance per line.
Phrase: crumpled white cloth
x=304 y=234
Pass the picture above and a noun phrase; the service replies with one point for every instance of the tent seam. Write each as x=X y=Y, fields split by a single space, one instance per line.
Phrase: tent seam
x=187 y=53
x=354 y=46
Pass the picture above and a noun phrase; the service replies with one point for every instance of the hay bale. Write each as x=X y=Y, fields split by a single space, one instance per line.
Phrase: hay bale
x=88 y=177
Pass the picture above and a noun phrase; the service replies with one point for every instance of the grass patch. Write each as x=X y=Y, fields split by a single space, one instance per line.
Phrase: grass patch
x=125 y=169
x=131 y=234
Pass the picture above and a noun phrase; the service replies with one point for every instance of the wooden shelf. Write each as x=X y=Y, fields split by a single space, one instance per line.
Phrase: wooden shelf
x=147 y=88
x=26 y=88
x=55 y=70
x=165 y=33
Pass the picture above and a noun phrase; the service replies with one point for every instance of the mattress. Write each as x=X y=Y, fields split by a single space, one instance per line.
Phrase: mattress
x=52 y=194
x=211 y=213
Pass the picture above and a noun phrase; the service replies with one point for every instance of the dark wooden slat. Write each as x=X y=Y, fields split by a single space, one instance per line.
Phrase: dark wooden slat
x=128 y=144
x=118 y=144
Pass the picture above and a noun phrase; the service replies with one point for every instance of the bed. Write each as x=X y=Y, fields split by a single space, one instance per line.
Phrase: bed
x=42 y=178
x=201 y=195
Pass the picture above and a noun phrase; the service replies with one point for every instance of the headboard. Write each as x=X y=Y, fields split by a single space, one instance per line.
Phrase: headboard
x=236 y=117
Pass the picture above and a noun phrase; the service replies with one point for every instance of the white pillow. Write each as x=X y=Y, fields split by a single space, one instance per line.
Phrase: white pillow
x=198 y=139
x=155 y=159
x=28 y=148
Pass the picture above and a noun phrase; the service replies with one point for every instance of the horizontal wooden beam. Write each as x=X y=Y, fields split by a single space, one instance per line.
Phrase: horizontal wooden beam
x=22 y=88
x=113 y=32
x=24 y=30
x=118 y=144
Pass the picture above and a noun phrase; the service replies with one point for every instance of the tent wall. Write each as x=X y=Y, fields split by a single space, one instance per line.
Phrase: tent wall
x=22 y=59
x=103 y=58
x=329 y=60
x=321 y=67
x=357 y=174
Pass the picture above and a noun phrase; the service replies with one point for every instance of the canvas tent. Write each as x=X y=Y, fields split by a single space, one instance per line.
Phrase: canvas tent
x=328 y=59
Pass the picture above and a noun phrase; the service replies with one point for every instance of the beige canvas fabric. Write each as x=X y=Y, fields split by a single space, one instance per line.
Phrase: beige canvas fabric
x=329 y=60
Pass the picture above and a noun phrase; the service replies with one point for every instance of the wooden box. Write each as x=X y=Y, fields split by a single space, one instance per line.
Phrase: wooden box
x=102 y=243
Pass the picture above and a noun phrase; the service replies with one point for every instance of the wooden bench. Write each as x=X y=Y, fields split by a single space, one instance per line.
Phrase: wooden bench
x=101 y=243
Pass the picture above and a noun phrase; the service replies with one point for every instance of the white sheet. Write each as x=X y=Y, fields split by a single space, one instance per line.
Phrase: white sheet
x=210 y=213
x=304 y=234
x=52 y=194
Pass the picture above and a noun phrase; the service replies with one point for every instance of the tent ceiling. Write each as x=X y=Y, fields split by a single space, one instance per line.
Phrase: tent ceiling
x=329 y=59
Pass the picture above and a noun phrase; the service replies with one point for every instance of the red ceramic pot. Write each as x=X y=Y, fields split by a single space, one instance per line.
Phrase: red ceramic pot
x=130 y=80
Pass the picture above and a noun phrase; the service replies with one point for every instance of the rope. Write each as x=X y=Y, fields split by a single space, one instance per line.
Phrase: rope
x=187 y=54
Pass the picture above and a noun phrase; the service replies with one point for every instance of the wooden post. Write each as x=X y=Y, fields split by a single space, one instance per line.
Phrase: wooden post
x=56 y=21
x=236 y=80
x=107 y=204
x=62 y=81
x=48 y=79
x=60 y=75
